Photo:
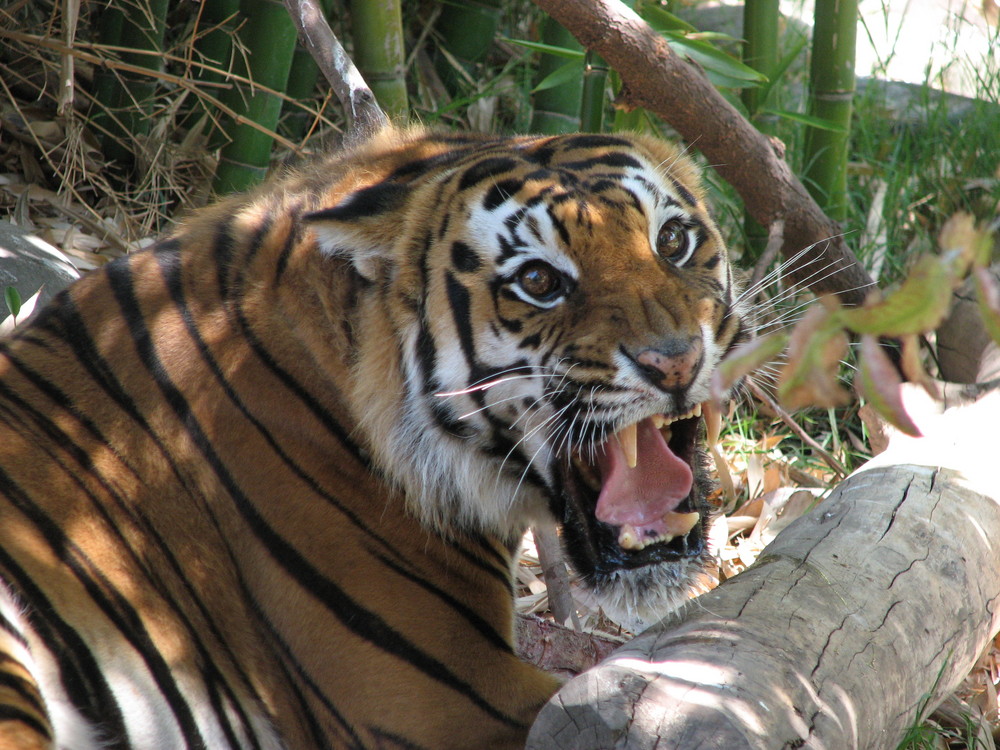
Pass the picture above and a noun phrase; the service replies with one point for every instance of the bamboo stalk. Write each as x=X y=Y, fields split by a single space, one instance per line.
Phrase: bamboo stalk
x=269 y=37
x=557 y=108
x=377 y=28
x=216 y=25
x=760 y=52
x=142 y=30
x=831 y=77
x=595 y=79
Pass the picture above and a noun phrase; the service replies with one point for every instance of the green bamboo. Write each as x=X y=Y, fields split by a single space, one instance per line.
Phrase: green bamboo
x=106 y=86
x=213 y=47
x=831 y=84
x=467 y=29
x=130 y=94
x=269 y=36
x=557 y=108
x=595 y=80
x=760 y=52
x=377 y=30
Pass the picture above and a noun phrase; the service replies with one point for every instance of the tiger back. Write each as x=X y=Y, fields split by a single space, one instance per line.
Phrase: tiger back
x=262 y=485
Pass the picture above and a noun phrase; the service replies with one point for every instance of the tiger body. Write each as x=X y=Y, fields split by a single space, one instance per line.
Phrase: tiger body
x=262 y=485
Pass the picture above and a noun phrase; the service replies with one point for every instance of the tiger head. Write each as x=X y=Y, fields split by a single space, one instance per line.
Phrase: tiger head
x=542 y=318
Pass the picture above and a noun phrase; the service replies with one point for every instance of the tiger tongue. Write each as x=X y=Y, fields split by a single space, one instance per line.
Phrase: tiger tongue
x=642 y=495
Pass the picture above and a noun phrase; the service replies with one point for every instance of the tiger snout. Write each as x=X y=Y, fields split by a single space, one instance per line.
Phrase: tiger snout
x=673 y=364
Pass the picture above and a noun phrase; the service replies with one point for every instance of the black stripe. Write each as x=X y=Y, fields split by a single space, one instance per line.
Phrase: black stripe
x=9 y=713
x=500 y=192
x=294 y=212
x=686 y=195
x=8 y=627
x=57 y=437
x=593 y=140
x=81 y=675
x=171 y=271
x=112 y=603
x=464 y=258
x=474 y=619
x=485 y=169
x=353 y=616
x=616 y=159
x=380 y=198
x=27 y=690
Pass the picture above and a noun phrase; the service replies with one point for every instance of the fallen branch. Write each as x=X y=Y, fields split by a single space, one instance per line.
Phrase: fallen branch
x=853 y=624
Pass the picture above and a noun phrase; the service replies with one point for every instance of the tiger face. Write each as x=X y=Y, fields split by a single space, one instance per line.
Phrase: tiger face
x=555 y=308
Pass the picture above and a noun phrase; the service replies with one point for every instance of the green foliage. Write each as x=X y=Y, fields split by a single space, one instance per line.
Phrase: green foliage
x=13 y=299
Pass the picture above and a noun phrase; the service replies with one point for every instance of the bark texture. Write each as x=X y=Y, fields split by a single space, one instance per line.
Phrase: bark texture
x=656 y=78
x=858 y=619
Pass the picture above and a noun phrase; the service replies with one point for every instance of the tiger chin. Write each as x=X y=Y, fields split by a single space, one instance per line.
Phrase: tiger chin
x=263 y=484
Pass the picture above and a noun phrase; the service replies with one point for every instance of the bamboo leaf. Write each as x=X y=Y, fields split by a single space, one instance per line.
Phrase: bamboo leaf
x=571 y=54
x=712 y=59
x=663 y=20
x=563 y=74
x=783 y=65
x=804 y=119
x=13 y=299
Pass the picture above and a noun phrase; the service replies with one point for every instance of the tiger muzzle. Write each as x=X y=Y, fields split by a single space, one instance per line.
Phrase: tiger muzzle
x=673 y=365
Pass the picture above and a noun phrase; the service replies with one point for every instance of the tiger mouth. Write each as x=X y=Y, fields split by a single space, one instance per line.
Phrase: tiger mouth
x=636 y=500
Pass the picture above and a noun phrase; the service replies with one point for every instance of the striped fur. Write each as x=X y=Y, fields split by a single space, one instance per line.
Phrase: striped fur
x=237 y=508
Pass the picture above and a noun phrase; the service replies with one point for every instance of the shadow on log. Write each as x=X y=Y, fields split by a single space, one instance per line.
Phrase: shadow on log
x=851 y=626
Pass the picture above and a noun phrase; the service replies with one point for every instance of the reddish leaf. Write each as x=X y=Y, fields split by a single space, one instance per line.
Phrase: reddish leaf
x=879 y=382
x=913 y=368
x=815 y=349
x=988 y=296
x=917 y=306
x=744 y=359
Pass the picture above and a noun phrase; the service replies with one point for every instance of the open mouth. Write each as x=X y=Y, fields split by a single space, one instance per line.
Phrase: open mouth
x=637 y=500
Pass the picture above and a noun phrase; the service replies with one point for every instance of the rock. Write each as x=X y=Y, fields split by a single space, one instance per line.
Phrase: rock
x=28 y=264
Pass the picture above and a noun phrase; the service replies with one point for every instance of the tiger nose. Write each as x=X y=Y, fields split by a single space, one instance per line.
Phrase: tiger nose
x=673 y=365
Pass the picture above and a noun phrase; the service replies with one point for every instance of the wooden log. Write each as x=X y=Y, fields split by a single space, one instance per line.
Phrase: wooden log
x=852 y=625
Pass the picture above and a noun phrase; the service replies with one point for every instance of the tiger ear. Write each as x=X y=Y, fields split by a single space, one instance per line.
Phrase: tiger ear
x=363 y=227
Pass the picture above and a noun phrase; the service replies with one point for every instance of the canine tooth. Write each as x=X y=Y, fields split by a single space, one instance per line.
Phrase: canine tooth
x=696 y=411
x=659 y=420
x=667 y=433
x=627 y=438
x=679 y=524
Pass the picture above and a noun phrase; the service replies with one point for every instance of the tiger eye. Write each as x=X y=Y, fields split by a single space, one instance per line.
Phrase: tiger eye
x=539 y=280
x=672 y=240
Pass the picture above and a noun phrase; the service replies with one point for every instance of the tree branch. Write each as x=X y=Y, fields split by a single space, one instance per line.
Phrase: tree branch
x=365 y=117
x=655 y=78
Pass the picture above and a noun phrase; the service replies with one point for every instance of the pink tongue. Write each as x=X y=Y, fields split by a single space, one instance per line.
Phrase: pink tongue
x=641 y=496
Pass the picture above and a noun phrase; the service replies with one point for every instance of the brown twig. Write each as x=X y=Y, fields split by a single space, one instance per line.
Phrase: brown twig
x=785 y=417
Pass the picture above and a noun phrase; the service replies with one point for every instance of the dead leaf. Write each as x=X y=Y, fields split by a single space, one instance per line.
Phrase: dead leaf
x=879 y=382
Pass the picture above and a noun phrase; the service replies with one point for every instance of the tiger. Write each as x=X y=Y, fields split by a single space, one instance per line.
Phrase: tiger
x=263 y=483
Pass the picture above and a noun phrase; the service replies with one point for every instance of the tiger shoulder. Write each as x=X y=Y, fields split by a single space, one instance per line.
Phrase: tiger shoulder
x=263 y=485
